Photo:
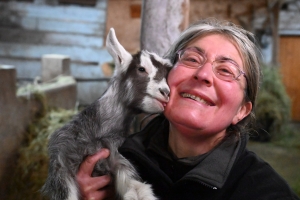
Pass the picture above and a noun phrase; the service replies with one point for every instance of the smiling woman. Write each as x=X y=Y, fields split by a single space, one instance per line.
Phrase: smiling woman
x=197 y=148
x=225 y=98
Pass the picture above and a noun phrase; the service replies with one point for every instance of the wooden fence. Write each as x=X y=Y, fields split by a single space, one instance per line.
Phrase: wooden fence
x=28 y=31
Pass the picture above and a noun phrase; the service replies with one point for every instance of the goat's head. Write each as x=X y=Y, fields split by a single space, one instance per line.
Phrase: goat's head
x=143 y=77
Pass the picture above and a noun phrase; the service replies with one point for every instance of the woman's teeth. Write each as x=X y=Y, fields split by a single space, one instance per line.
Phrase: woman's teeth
x=191 y=96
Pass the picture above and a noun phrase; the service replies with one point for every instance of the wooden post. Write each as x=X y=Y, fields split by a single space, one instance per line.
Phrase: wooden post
x=274 y=9
x=162 y=23
x=7 y=84
x=54 y=65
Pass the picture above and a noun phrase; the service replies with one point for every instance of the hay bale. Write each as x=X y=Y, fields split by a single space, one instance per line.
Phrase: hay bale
x=32 y=163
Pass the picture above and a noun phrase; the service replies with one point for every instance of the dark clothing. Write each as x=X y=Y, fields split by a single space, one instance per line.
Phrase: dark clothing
x=229 y=171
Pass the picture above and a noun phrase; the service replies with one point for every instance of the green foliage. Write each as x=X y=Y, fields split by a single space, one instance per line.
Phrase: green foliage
x=273 y=106
x=32 y=165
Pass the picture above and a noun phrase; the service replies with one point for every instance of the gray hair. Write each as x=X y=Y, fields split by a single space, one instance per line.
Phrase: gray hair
x=246 y=45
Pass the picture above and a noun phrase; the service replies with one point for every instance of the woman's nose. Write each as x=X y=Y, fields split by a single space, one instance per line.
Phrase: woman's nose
x=204 y=74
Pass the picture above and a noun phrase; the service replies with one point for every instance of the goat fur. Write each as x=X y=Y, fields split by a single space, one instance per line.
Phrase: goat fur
x=137 y=85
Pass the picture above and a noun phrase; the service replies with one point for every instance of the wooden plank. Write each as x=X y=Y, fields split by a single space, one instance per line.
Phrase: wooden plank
x=26 y=69
x=80 y=71
x=102 y=4
x=88 y=92
x=33 y=37
x=289 y=20
x=289 y=32
x=70 y=27
x=68 y=13
x=76 y=53
x=29 y=69
x=63 y=26
x=289 y=60
x=78 y=2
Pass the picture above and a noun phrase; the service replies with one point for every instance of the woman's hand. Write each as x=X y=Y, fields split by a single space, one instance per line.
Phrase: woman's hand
x=94 y=188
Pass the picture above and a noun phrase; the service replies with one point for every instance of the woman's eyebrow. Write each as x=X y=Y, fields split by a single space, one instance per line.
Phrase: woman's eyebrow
x=224 y=58
x=218 y=58
x=200 y=50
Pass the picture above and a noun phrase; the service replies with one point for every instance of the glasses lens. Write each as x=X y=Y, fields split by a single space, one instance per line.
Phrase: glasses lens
x=191 y=58
x=226 y=70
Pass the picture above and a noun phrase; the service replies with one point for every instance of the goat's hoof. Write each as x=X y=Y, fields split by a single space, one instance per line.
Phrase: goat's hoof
x=139 y=191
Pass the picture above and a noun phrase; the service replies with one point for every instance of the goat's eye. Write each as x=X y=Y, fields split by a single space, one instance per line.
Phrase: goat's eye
x=141 y=69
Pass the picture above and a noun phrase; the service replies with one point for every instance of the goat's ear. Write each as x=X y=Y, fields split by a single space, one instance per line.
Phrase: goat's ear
x=117 y=51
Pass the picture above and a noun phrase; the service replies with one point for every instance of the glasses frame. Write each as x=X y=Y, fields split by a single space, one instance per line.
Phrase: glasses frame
x=179 y=53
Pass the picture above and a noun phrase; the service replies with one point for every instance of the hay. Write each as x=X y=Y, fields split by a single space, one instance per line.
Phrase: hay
x=32 y=164
x=273 y=106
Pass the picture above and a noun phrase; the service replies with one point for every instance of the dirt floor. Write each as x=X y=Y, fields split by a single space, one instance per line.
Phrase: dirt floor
x=286 y=161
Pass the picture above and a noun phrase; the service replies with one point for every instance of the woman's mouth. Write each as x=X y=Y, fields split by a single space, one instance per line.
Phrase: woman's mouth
x=196 y=98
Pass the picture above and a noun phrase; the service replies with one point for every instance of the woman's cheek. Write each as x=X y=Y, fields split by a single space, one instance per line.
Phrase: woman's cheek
x=171 y=76
x=175 y=75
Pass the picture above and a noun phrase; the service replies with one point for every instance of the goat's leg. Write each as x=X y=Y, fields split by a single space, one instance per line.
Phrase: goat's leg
x=127 y=184
x=139 y=191
x=60 y=185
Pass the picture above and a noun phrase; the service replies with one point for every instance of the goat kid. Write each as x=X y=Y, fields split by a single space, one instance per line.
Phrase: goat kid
x=137 y=85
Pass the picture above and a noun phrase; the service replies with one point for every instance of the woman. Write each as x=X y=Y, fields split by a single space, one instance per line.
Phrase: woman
x=197 y=149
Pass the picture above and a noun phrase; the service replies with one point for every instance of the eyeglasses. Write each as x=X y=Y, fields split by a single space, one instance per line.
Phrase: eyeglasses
x=224 y=69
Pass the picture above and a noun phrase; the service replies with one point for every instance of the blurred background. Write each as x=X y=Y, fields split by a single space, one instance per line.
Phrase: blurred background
x=53 y=62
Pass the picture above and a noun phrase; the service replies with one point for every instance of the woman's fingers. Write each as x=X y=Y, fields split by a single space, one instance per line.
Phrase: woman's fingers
x=99 y=195
x=87 y=166
x=96 y=183
x=94 y=187
x=99 y=188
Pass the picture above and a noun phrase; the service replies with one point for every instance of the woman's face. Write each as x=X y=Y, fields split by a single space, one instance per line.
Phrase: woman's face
x=218 y=104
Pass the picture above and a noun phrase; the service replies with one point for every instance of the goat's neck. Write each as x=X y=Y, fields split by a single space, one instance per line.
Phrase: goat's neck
x=115 y=114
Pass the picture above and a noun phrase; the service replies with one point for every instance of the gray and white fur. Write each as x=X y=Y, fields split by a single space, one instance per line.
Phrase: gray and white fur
x=137 y=85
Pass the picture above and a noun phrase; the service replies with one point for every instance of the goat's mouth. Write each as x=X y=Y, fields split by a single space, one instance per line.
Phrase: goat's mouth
x=196 y=98
x=162 y=102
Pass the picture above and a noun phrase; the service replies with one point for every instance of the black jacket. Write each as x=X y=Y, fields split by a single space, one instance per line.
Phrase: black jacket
x=230 y=173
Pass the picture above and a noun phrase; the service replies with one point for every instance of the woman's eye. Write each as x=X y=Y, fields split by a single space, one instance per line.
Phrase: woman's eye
x=191 y=59
x=225 y=71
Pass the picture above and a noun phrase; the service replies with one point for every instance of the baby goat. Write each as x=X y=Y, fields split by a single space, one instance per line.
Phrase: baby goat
x=138 y=85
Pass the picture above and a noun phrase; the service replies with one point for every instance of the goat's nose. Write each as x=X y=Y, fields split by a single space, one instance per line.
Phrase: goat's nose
x=164 y=91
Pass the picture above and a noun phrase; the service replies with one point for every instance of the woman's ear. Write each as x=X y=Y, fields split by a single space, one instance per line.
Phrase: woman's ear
x=243 y=112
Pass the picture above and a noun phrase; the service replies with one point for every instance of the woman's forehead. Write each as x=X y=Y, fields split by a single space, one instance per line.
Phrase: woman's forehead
x=213 y=41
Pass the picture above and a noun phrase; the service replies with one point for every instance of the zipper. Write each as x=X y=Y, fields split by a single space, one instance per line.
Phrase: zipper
x=207 y=185
x=200 y=182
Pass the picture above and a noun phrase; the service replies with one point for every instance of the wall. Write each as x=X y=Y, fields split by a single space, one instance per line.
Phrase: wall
x=28 y=31
x=124 y=17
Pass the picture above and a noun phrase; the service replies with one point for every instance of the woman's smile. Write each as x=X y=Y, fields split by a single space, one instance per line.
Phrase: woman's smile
x=196 y=98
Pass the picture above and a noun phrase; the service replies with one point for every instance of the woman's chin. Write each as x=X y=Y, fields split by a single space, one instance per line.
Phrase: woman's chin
x=190 y=121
